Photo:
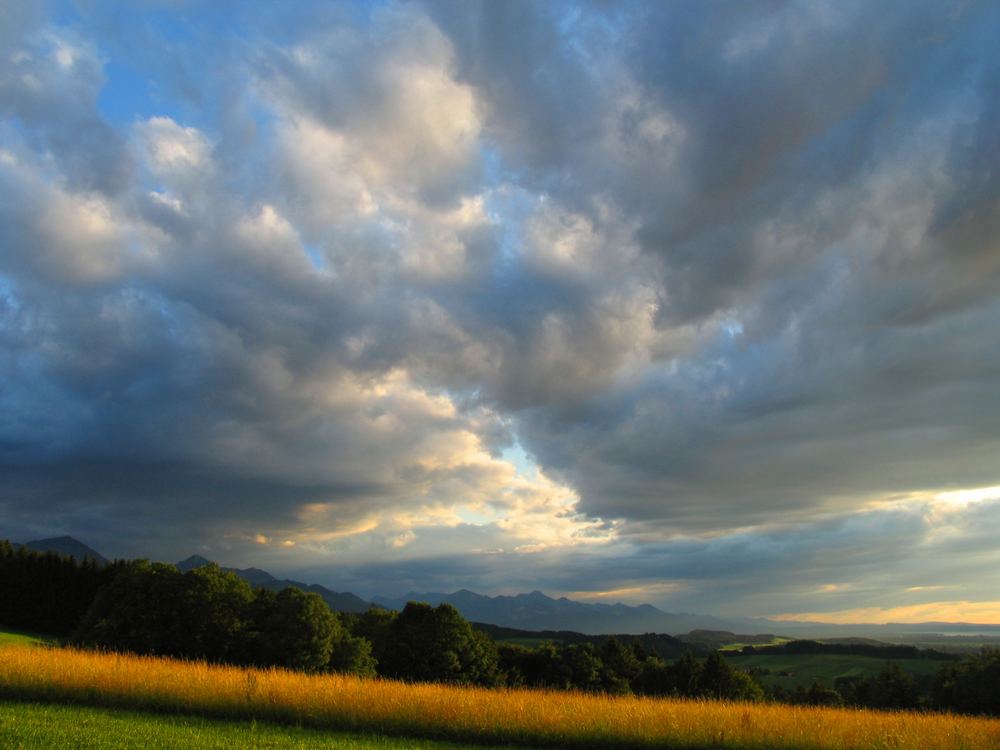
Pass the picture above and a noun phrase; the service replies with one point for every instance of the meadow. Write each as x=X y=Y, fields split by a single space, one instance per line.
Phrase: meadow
x=523 y=717
x=31 y=726
x=804 y=669
x=737 y=646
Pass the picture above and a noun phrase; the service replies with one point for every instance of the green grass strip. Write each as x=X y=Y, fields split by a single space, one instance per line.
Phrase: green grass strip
x=37 y=726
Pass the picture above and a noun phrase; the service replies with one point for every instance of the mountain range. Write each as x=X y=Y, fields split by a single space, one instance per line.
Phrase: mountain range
x=337 y=601
x=536 y=611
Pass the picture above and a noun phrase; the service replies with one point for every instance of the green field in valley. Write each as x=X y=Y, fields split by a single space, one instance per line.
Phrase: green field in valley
x=33 y=726
x=776 y=641
x=789 y=670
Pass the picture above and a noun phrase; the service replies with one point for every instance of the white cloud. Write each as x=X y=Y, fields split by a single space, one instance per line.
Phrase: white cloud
x=312 y=291
x=177 y=155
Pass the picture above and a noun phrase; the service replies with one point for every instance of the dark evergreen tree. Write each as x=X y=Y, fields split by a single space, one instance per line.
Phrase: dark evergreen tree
x=686 y=675
x=45 y=591
x=718 y=680
x=619 y=666
x=655 y=678
x=893 y=688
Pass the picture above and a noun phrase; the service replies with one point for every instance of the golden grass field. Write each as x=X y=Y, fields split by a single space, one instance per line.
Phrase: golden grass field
x=528 y=717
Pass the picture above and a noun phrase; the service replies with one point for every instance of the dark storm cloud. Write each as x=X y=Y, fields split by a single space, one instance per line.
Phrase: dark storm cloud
x=821 y=204
x=715 y=266
x=709 y=120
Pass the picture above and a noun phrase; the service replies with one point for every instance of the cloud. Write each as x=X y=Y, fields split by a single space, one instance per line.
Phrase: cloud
x=723 y=273
x=49 y=82
x=889 y=558
x=172 y=152
x=987 y=612
x=386 y=99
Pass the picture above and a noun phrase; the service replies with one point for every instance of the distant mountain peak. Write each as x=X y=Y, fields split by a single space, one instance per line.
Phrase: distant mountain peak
x=190 y=563
x=466 y=594
x=67 y=545
x=537 y=611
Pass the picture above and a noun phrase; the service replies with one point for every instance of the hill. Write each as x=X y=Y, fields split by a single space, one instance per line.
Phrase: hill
x=718 y=639
x=664 y=646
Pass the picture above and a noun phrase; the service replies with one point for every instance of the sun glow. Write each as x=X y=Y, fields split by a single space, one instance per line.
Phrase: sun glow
x=983 y=613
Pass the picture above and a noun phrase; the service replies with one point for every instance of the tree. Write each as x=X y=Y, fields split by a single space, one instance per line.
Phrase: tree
x=210 y=614
x=656 y=678
x=428 y=644
x=686 y=673
x=620 y=666
x=216 y=607
x=893 y=688
x=375 y=627
x=352 y=655
x=292 y=629
x=581 y=667
x=532 y=667
x=155 y=609
x=48 y=592
x=970 y=686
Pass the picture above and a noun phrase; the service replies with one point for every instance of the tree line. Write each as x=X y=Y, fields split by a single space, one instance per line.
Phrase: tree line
x=970 y=685
x=213 y=615
x=663 y=645
x=48 y=592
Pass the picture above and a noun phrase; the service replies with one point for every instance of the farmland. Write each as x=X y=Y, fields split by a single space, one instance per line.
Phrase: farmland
x=523 y=717
x=791 y=670
x=738 y=646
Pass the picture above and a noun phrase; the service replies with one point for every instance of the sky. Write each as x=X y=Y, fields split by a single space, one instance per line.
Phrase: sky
x=688 y=303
